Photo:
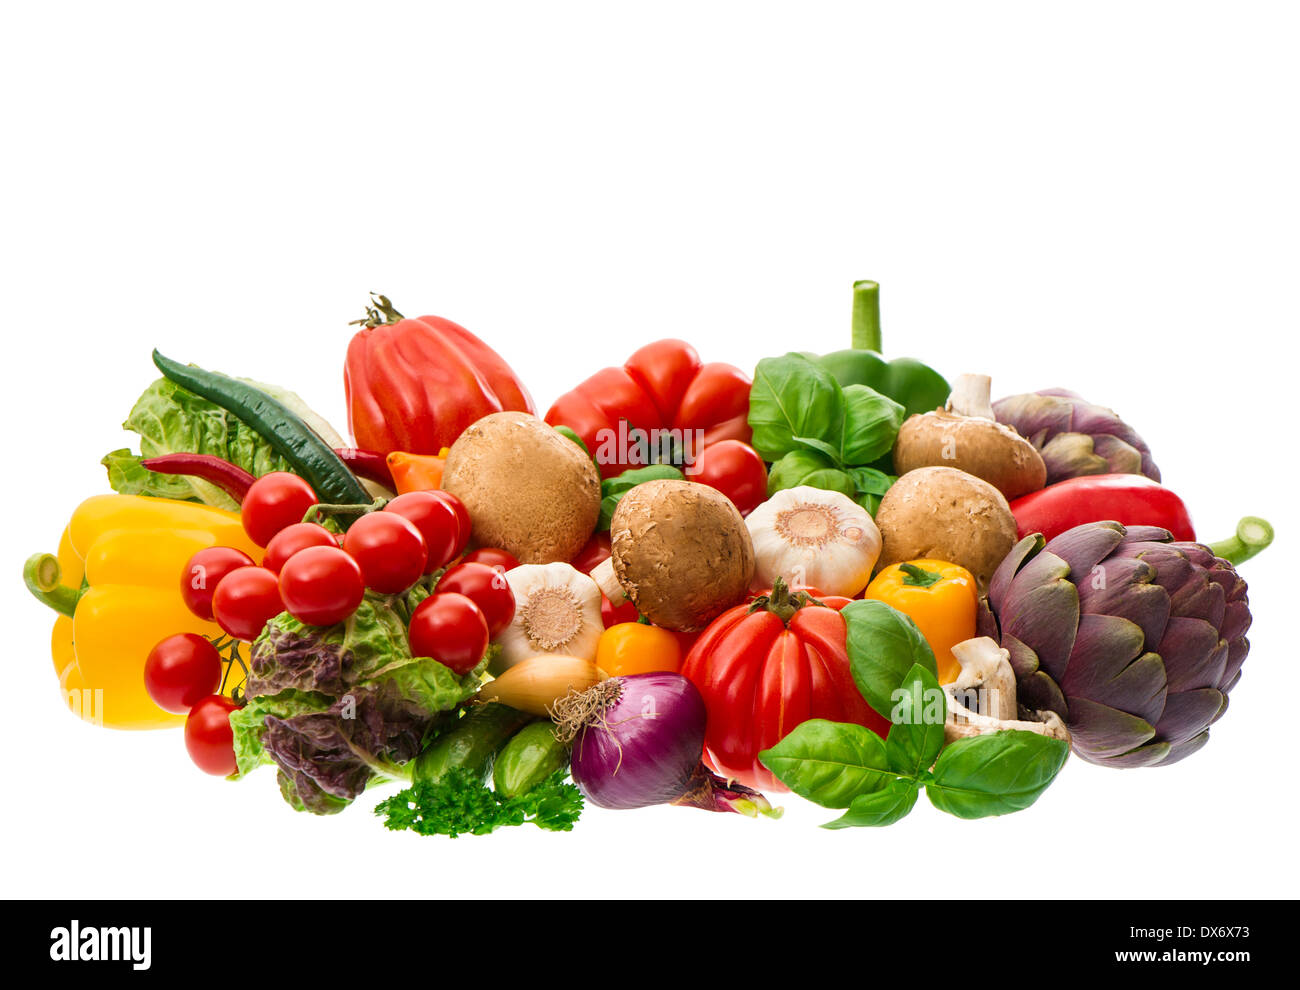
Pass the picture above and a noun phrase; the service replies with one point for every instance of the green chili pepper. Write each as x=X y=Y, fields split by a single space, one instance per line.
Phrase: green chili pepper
x=529 y=759
x=284 y=430
x=915 y=386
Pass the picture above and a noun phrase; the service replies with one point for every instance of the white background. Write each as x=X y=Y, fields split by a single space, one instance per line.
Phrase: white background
x=1101 y=196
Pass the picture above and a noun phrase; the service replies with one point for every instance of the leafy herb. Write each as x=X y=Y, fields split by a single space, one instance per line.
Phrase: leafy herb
x=845 y=765
x=995 y=774
x=460 y=804
x=817 y=433
x=613 y=489
x=883 y=645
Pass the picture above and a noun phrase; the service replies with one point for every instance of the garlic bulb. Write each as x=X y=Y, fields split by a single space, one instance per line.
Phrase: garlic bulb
x=813 y=538
x=557 y=610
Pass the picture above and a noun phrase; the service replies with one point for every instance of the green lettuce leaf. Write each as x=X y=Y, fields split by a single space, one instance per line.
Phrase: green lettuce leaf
x=171 y=420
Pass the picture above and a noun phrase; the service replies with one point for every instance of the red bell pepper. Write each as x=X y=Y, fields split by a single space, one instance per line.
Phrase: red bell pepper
x=1130 y=499
x=415 y=384
x=663 y=387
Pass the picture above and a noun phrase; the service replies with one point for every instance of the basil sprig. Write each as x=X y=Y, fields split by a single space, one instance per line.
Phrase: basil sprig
x=877 y=781
x=817 y=433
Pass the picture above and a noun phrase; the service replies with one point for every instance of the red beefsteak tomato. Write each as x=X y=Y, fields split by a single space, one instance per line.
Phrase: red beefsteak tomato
x=415 y=384
x=766 y=666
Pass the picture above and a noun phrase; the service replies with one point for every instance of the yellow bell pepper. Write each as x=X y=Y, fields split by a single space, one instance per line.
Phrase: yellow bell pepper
x=636 y=648
x=941 y=598
x=116 y=583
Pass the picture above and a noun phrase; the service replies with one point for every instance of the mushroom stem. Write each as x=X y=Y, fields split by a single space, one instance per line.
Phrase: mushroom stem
x=972 y=396
x=605 y=578
x=988 y=683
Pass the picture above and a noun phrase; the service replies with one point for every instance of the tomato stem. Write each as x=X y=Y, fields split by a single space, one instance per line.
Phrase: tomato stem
x=380 y=313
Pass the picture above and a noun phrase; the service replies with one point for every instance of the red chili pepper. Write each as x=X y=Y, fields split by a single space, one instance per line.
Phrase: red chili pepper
x=230 y=478
x=1130 y=499
x=367 y=464
x=663 y=387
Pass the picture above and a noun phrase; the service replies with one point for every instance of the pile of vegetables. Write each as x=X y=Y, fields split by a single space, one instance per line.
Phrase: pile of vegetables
x=845 y=577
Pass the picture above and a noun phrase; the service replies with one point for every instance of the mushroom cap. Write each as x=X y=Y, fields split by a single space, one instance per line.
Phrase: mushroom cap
x=982 y=447
x=528 y=489
x=681 y=552
x=946 y=514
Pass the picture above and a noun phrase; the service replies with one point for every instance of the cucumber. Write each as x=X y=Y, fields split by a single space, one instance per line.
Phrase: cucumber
x=529 y=758
x=480 y=733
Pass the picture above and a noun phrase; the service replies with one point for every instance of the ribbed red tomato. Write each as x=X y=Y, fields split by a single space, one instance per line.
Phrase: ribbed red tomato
x=415 y=384
x=761 y=674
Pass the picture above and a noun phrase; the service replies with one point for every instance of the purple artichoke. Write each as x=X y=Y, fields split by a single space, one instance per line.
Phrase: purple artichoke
x=1076 y=437
x=1133 y=639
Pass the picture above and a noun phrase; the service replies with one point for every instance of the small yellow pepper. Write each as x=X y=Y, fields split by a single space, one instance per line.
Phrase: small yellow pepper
x=417 y=472
x=116 y=583
x=941 y=598
x=637 y=648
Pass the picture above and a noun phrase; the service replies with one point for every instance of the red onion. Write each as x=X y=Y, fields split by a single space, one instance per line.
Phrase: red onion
x=637 y=741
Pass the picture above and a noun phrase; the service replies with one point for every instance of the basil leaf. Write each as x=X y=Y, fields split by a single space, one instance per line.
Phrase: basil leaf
x=807 y=467
x=995 y=774
x=883 y=807
x=830 y=763
x=870 y=481
x=883 y=644
x=822 y=447
x=613 y=489
x=918 y=716
x=793 y=397
x=871 y=423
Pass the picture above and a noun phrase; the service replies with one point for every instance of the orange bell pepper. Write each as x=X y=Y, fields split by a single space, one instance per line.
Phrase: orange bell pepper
x=941 y=598
x=417 y=472
x=637 y=648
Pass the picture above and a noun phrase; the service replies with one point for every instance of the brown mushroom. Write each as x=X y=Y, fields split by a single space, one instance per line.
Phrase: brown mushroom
x=528 y=489
x=946 y=514
x=965 y=436
x=680 y=553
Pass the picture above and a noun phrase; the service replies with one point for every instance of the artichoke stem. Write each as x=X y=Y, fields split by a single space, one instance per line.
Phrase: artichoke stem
x=1253 y=535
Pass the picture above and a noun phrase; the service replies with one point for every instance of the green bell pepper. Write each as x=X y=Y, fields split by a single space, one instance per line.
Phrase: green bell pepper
x=916 y=387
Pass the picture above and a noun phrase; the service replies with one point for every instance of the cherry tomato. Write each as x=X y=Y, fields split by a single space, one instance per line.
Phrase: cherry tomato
x=735 y=469
x=450 y=628
x=291 y=539
x=274 y=502
x=390 y=550
x=321 y=585
x=612 y=615
x=494 y=557
x=208 y=736
x=436 y=520
x=245 y=601
x=181 y=670
x=487 y=588
x=204 y=572
x=463 y=523
x=595 y=553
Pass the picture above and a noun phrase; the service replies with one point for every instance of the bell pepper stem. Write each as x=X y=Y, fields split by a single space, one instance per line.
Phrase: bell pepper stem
x=919 y=577
x=866 y=316
x=41 y=575
x=1253 y=535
